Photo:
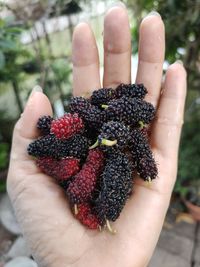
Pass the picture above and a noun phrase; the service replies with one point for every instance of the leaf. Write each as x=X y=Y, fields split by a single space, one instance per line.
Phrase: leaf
x=7 y=45
x=2 y=60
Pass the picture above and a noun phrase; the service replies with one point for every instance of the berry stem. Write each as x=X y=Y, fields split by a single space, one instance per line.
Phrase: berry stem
x=107 y=142
x=104 y=106
x=142 y=125
x=75 y=209
x=149 y=181
x=94 y=145
x=112 y=231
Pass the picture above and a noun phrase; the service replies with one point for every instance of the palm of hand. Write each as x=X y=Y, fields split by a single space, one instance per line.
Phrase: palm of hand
x=54 y=236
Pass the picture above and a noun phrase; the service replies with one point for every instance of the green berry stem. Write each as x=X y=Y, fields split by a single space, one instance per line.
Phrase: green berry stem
x=104 y=106
x=112 y=231
x=142 y=124
x=94 y=145
x=107 y=142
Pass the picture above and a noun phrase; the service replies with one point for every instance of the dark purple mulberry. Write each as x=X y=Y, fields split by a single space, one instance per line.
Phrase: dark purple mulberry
x=130 y=110
x=115 y=187
x=102 y=96
x=47 y=146
x=113 y=134
x=142 y=155
x=131 y=90
x=91 y=115
x=44 y=124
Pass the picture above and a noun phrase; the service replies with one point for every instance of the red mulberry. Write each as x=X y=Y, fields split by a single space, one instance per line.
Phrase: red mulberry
x=60 y=169
x=67 y=126
x=81 y=188
x=86 y=217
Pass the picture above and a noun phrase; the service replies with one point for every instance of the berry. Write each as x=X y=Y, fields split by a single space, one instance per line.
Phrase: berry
x=76 y=146
x=49 y=146
x=130 y=110
x=44 y=147
x=102 y=96
x=91 y=115
x=65 y=183
x=142 y=155
x=60 y=169
x=79 y=104
x=86 y=217
x=147 y=168
x=67 y=126
x=115 y=132
x=115 y=187
x=95 y=158
x=131 y=90
x=139 y=145
x=44 y=124
x=80 y=189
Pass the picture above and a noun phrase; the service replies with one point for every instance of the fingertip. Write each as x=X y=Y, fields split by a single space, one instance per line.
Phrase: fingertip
x=175 y=84
x=177 y=69
x=38 y=105
x=84 y=49
x=117 y=38
x=152 y=39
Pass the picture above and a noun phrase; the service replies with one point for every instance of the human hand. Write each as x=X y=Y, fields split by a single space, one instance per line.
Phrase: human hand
x=54 y=236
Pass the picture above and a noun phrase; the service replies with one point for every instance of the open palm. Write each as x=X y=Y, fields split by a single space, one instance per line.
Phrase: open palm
x=54 y=236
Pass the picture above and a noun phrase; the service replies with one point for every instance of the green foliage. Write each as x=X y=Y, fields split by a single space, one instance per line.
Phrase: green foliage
x=189 y=167
x=11 y=50
x=4 y=147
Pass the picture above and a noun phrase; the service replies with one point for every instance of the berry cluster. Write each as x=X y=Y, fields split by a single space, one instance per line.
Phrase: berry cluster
x=94 y=151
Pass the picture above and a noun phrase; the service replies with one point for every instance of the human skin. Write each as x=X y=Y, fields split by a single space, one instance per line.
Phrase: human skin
x=53 y=235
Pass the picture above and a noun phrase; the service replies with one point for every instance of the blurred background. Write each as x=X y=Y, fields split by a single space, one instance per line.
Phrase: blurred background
x=35 y=49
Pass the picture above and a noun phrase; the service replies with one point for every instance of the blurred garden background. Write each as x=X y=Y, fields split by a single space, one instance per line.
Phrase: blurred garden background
x=35 y=49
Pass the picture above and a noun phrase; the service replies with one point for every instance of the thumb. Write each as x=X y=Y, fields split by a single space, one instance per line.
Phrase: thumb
x=25 y=129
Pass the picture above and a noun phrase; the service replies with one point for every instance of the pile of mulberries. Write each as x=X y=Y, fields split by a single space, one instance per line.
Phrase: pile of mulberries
x=94 y=152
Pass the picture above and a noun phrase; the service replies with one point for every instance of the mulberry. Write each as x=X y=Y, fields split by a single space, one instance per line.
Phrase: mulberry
x=44 y=124
x=81 y=188
x=44 y=147
x=49 y=146
x=102 y=96
x=67 y=126
x=130 y=110
x=86 y=217
x=95 y=158
x=113 y=134
x=91 y=115
x=131 y=90
x=77 y=146
x=60 y=169
x=79 y=105
x=115 y=187
x=147 y=168
x=142 y=155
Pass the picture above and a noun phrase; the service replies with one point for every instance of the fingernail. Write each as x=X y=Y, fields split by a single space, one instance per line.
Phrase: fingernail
x=117 y=4
x=36 y=88
x=120 y=4
x=179 y=62
x=152 y=13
